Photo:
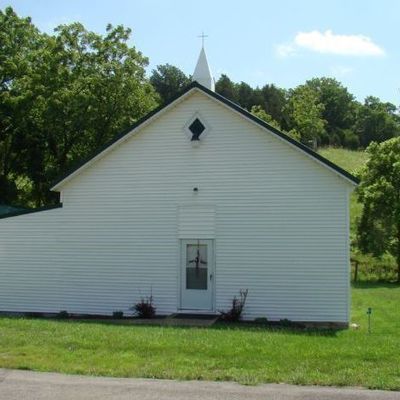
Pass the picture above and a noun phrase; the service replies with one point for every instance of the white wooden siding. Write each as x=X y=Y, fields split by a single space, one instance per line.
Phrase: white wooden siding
x=196 y=221
x=280 y=225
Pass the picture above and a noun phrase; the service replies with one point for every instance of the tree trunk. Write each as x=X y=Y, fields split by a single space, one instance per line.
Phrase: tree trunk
x=398 y=269
x=398 y=258
x=398 y=252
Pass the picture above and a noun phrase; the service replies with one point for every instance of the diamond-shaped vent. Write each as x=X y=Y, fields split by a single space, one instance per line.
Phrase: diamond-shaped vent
x=197 y=128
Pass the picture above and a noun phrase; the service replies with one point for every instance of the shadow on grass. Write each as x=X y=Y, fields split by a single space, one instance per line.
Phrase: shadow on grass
x=275 y=328
x=218 y=326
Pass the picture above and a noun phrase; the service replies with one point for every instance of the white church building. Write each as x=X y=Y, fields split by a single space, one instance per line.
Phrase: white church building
x=195 y=202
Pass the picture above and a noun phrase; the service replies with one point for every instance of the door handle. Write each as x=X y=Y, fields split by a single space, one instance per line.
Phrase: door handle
x=211 y=276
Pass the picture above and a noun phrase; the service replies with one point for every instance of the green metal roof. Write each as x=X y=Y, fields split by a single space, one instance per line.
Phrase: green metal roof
x=7 y=209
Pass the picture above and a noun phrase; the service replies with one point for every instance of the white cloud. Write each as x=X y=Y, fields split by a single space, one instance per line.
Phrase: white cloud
x=330 y=43
x=285 y=50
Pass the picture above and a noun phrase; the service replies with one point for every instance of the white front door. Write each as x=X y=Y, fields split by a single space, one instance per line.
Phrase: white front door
x=197 y=274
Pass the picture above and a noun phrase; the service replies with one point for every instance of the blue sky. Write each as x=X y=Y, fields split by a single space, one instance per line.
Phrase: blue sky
x=283 y=42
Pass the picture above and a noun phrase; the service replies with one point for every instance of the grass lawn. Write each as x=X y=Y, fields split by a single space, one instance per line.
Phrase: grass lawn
x=241 y=353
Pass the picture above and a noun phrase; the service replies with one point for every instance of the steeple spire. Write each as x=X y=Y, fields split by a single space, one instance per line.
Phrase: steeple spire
x=202 y=72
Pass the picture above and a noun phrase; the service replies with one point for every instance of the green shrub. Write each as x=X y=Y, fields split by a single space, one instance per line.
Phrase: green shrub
x=118 y=314
x=351 y=140
x=286 y=322
x=34 y=314
x=63 y=314
x=373 y=269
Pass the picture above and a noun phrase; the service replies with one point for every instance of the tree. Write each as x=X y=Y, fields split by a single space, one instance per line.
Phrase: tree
x=80 y=90
x=305 y=115
x=274 y=100
x=259 y=112
x=245 y=95
x=225 y=87
x=168 y=81
x=378 y=229
x=270 y=98
x=376 y=121
x=339 y=108
x=19 y=41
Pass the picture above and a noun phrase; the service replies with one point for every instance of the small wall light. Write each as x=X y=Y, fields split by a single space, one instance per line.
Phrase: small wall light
x=195 y=189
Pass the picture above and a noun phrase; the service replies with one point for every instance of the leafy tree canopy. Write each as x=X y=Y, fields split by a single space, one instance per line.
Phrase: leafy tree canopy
x=19 y=41
x=168 y=81
x=339 y=104
x=274 y=100
x=376 y=121
x=379 y=191
x=306 y=115
x=321 y=112
x=259 y=112
x=76 y=91
x=225 y=87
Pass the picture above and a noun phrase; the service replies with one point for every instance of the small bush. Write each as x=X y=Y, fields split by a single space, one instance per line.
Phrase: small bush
x=373 y=269
x=235 y=313
x=118 y=314
x=286 y=322
x=261 y=320
x=351 y=140
x=34 y=314
x=63 y=314
x=334 y=140
x=145 y=308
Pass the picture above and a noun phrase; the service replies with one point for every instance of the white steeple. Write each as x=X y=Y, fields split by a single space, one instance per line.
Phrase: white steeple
x=202 y=72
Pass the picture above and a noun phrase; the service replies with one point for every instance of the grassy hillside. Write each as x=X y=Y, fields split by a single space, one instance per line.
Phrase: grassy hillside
x=350 y=160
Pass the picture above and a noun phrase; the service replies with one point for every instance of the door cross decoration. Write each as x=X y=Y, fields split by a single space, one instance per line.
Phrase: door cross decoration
x=197 y=260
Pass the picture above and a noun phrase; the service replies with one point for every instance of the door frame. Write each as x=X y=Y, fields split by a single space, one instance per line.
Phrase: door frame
x=181 y=263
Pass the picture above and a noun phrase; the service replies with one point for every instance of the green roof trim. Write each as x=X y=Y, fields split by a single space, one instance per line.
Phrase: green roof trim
x=30 y=211
x=8 y=209
x=230 y=104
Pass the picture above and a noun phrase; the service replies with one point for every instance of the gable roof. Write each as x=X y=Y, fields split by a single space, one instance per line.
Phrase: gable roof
x=197 y=86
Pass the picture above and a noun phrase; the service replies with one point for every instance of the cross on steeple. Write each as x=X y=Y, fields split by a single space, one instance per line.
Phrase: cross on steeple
x=202 y=36
x=202 y=72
